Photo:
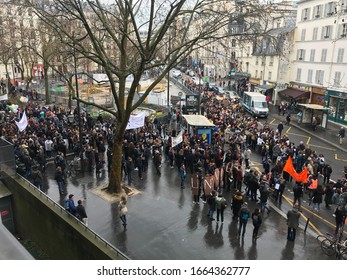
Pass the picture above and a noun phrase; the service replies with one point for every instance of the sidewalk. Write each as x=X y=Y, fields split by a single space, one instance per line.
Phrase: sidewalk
x=327 y=135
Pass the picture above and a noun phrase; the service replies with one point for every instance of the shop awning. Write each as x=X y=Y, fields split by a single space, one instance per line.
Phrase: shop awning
x=312 y=106
x=264 y=87
x=295 y=93
x=198 y=120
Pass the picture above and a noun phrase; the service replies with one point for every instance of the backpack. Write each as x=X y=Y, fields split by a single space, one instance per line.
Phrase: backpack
x=67 y=205
x=245 y=216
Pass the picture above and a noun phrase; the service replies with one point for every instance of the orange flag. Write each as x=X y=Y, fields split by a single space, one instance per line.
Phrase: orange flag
x=298 y=177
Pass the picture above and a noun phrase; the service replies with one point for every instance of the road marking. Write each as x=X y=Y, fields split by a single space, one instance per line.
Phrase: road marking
x=272 y=121
x=326 y=148
x=314 y=214
x=339 y=158
x=308 y=140
x=288 y=130
x=295 y=134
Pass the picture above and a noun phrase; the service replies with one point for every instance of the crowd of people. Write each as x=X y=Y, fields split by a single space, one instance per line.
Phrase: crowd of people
x=215 y=169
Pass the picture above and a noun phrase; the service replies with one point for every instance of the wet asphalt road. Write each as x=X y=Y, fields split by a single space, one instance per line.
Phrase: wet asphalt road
x=163 y=223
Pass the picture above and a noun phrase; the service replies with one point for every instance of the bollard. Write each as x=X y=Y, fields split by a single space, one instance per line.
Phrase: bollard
x=307 y=222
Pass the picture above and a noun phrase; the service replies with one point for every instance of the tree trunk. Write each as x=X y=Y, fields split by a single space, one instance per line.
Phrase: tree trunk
x=115 y=180
x=47 y=95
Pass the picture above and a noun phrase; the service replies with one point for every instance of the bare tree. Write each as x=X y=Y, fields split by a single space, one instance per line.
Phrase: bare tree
x=128 y=37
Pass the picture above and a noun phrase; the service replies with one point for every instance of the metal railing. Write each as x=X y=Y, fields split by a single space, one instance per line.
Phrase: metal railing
x=62 y=211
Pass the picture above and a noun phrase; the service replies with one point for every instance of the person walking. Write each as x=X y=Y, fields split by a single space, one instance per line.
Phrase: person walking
x=123 y=210
x=244 y=215
x=37 y=177
x=211 y=201
x=341 y=134
x=279 y=193
x=183 y=175
x=59 y=177
x=70 y=205
x=340 y=216
x=81 y=212
x=264 y=195
x=328 y=196
x=280 y=128
x=221 y=204
x=299 y=115
x=247 y=154
x=196 y=182
x=129 y=169
x=236 y=204
x=257 y=221
x=288 y=119
x=298 y=193
x=317 y=198
x=314 y=124
x=327 y=170
x=293 y=217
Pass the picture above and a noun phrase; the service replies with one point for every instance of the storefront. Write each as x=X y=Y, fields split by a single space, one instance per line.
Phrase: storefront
x=266 y=89
x=336 y=101
x=318 y=96
x=252 y=83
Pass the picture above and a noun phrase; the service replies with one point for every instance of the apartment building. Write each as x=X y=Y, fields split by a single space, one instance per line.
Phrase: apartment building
x=320 y=55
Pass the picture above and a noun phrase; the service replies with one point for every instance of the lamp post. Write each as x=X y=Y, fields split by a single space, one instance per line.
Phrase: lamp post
x=78 y=106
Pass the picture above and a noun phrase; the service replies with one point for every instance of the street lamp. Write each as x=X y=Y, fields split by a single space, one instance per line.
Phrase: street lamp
x=180 y=96
x=78 y=106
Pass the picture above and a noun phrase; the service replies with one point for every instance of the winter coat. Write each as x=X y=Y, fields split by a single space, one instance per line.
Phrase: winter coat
x=293 y=217
x=317 y=196
x=195 y=183
x=220 y=203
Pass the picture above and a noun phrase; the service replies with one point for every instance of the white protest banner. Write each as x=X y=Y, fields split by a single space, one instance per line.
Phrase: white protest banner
x=23 y=123
x=177 y=140
x=136 y=121
x=4 y=97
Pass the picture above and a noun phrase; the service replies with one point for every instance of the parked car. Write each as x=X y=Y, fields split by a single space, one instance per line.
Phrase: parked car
x=218 y=90
x=176 y=73
x=232 y=95
x=191 y=73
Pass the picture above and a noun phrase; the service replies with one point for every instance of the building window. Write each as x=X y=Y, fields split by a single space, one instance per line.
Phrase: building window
x=256 y=74
x=298 y=74
x=315 y=34
x=21 y=25
x=270 y=76
x=263 y=60
x=30 y=12
x=303 y=35
x=31 y=23
x=312 y=55
x=309 y=76
x=340 y=54
x=329 y=9
x=271 y=61
x=233 y=42
x=344 y=6
x=317 y=11
x=326 y=32
x=324 y=55
x=300 y=55
x=319 y=77
x=233 y=55
x=337 y=79
x=305 y=14
x=257 y=62
x=343 y=30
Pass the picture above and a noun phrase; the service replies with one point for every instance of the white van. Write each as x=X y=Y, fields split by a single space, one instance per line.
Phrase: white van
x=255 y=103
